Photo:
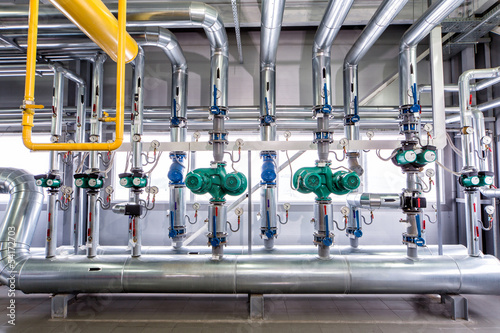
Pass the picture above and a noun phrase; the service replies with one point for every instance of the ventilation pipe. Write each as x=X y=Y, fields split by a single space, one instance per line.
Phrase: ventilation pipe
x=382 y=18
x=272 y=18
x=165 y=40
x=471 y=178
x=20 y=219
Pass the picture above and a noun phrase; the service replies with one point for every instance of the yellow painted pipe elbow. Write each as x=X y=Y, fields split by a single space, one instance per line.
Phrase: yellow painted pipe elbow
x=96 y=21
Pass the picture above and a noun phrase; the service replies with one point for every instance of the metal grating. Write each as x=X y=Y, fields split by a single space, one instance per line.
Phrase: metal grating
x=474 y=33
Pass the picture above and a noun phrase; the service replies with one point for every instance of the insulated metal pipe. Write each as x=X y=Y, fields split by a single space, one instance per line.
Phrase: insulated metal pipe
x=328 y=29
x=262 y=275
x=92 y=224
x=466 y=109
x=490 y=193
x=20 y=218
x=272 y=18
x=136 y=122
x=96 y=112
x=382 y=18
x=433 y=16
x=478 y=140
x=493 y=104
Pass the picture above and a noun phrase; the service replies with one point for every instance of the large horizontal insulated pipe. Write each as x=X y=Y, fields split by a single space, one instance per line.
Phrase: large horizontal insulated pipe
x=306 y=274
x=436 y=13
x=95 y=20
x=21 y=216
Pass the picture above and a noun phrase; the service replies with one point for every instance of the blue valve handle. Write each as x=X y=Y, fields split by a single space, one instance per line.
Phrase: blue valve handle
x=327 y=108
x=414 y=92
x=358 y=233
x=172 y=232
x=355 y=105
x=327 y=241
x=214 y=108
x=267 y=106
x=215 y=241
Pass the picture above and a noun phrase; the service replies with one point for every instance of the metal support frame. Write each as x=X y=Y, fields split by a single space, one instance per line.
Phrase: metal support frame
x=458 y=304
x=256 y=306
x=59 y=305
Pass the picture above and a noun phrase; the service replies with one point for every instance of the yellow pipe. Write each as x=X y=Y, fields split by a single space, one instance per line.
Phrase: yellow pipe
x=29 y=106
x=96 y=21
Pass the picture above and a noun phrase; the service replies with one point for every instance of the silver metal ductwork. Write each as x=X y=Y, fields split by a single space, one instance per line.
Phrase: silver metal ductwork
x=21 y=217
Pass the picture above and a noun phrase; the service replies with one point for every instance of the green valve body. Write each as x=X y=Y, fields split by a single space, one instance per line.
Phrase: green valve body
x=405 y=157
x=323 y=182
x=133 y=180
x=216 y=182
x=426 y=156
x=89 y=181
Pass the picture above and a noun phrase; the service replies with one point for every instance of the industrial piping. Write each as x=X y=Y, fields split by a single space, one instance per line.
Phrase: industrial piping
x=382 y=18
x=166 y=41
x=469 y=169
x=272 y=18
x=21 y=216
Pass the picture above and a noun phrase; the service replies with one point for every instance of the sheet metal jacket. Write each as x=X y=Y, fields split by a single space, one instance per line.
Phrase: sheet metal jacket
x=382 y=18
x=468 y=149
x=330 y=25
x=21 y=215
x=166 y=41
x=272 y=18
x=433 y=16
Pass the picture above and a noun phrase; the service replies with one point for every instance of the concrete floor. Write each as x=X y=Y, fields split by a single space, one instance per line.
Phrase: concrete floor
x=228 y=313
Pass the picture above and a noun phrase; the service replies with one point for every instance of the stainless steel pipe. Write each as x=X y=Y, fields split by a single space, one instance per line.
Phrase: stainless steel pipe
x=262 y=275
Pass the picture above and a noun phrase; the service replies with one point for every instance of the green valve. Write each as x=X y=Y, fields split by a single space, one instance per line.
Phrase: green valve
x=426 y=156
x=323 y=182
x=405 y=157
x=48 y=181
x=485 y=178
x=89 y=181
x=133 y=180
x=95 y=183
x=469 y=181
x=216 y=182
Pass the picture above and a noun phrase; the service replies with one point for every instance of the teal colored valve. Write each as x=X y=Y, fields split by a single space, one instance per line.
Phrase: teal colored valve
x=216 y=182
x=133 y=180
x=405 y=157
x=323 y=182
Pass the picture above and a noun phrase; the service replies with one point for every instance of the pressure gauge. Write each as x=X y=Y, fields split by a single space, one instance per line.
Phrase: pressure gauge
x=153 y=190
x=240 y=143
x=92 y=182
x=109 y=189
x=67 y=190
x=469 y=130
x=486 y=140
x=54 y=138
x=50 y=182
x=136 y=181
x=287 y=134
x=490 y=210
x=71 y=141
x=79 y=182
x=344 y=211
x=238 y=211
x=136 y=138
x=94 y=138
x=286 y=206
x=428 y=128
x=370 y=134
x=196 y=135
x=196 y=206
x=155 y=144
x=123 y=181
x=343 y=142
x=430 y=173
